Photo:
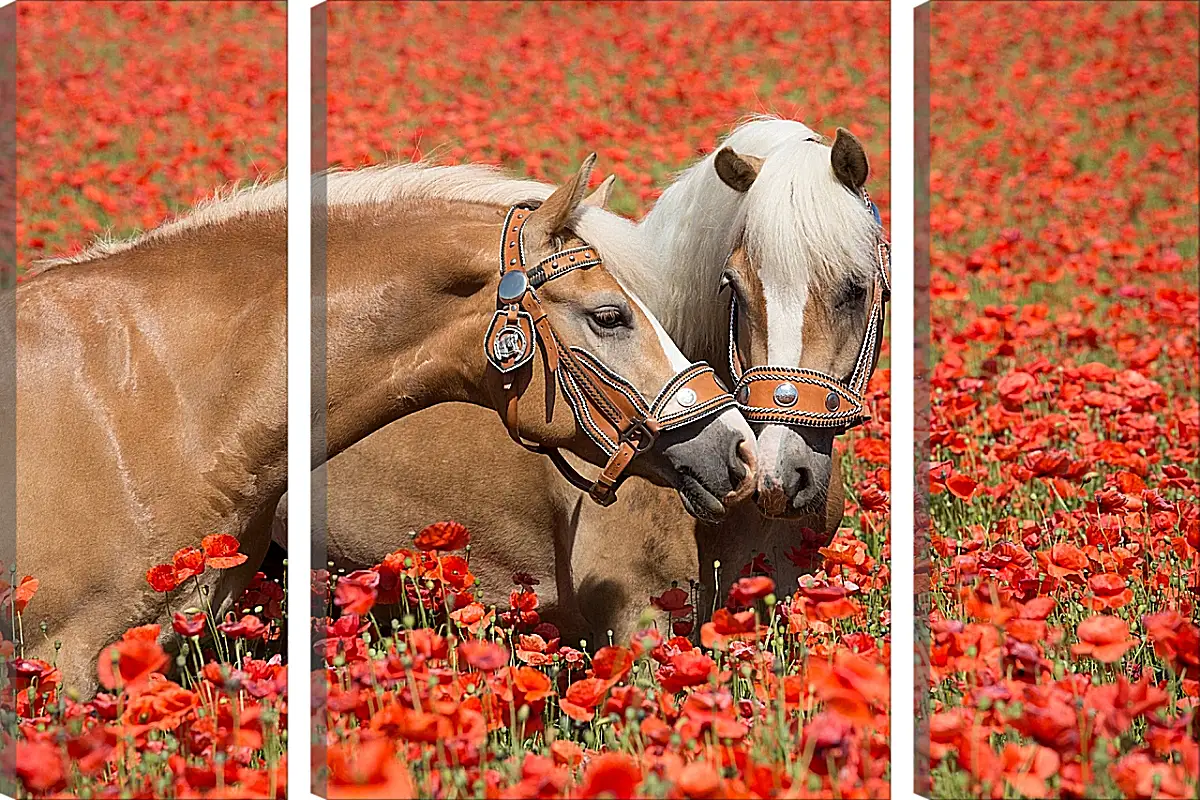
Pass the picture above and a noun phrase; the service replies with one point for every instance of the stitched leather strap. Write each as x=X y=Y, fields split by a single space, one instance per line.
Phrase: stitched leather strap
x=697 y=393
x=561 y=263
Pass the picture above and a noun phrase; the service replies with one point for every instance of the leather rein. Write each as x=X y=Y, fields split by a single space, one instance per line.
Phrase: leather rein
x=609 y=409
x=809 y=398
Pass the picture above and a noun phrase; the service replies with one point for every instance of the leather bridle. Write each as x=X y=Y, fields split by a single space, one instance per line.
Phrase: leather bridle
x=808 y=398
x=609 y=409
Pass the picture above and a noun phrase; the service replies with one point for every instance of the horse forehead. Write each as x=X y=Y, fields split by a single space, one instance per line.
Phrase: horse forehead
x=591 y=279
x=598 y=278
x=782 y=286
x=675 y=356
x=786 y=305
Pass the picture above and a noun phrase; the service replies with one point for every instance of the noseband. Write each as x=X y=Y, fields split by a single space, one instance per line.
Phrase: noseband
x=808 y=398
x=612 y=412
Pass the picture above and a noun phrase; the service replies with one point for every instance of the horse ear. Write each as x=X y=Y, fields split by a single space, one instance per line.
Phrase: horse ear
x=552 y=215
x=736 y=171
x=849 y=161
x=602 y=194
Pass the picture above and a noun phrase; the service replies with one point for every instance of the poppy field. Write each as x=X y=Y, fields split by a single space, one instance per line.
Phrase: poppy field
x=129 y=113
x=781 y=691
x=1065 y=656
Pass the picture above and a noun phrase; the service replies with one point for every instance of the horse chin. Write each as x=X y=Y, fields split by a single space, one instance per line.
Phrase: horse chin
x=698 y=501
x=781 y=509
x=813 y=507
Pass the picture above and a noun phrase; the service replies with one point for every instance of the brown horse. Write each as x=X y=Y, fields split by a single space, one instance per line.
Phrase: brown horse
x=151 y=411
x=152 y=405
x=803 y=261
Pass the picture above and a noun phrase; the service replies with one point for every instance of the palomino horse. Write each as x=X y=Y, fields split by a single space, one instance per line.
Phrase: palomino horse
x=152 y=405
x=804 y=265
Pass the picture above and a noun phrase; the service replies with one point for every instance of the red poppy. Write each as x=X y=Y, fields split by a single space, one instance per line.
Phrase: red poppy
x=674 y=601
x=188 y=563
x=442 y=536
x=146 y=633
x=727 y=626
x=356 y=593
x=961 y=486
x=1104 y=638
x=615 y=775
x=747 y=590
x=533 y=684
x=161 y=578
x=687 y=668
x=23 y=593
x=248 y=627
x=41 y=767
x=525 y=580
x=473 y=616
x=1016 y=388
x=612 y=663
x=1117 y=705
x=189 y=625
x=1109 y=591
x=1176 y=641
x=129 y=663
x=1063 y=560
x=484 y=656
x=700 y=780
x=849 y=686
x=758 y=565
x=1028 y=768
x=221 y=550
x=582 y=698
x=644 y=641
x=874 y=499
x=566 y=753
x=367 y=768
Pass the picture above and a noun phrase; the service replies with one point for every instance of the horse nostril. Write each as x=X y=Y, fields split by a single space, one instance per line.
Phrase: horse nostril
x=748 y=456
x=743 y=472
x=805 y=475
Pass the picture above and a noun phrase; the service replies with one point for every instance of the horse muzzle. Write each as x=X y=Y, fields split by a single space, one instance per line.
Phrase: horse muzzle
x=713 y=467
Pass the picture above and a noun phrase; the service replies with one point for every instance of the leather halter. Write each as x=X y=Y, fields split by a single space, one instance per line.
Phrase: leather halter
x=609 y=409
x=808 y=398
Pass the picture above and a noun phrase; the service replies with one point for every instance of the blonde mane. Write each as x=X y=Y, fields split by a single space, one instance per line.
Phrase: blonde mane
x=364 y=187
x=263 y=196
x=797 y=221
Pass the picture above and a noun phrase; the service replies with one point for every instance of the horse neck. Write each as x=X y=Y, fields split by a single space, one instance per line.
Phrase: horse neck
x=691 y=231
x=407 y=305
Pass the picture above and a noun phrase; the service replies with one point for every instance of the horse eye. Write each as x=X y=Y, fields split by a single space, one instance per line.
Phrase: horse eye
x=851 y=295
x=608 y=317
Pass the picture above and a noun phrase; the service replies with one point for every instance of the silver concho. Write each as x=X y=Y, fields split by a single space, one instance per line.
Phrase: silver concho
x=832 y=401
x=686 y=397
x=510 y=343
x=513 y=286
x=786 y=395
